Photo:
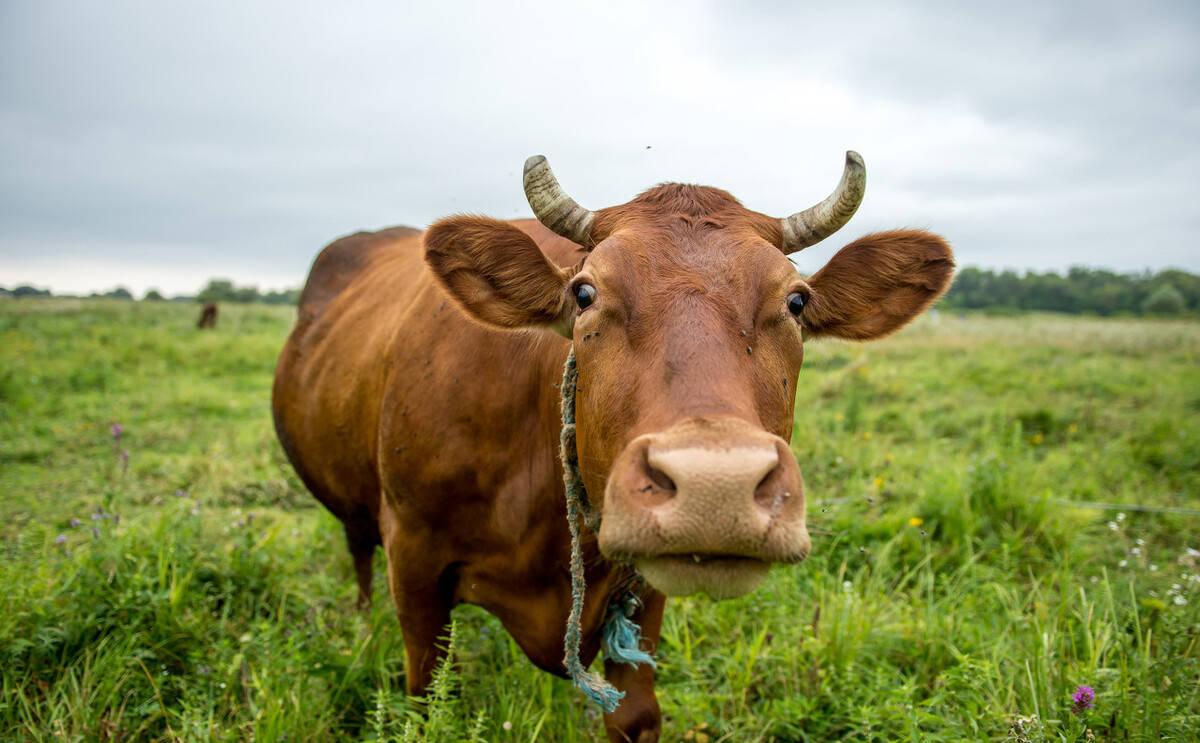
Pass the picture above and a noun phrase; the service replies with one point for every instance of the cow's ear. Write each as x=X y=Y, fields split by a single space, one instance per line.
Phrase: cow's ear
x=497 y=273
x=877 y=284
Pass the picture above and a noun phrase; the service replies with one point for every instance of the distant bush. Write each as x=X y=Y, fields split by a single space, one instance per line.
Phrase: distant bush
x=285 y=296
x=119 y=293
x=224 y=290
x=1165 y=300
x=152 y=295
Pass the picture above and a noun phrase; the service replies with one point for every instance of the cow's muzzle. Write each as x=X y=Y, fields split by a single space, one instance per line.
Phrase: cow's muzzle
x=706 y=505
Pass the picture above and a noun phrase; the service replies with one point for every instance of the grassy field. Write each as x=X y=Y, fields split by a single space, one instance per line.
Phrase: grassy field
x=176 y=581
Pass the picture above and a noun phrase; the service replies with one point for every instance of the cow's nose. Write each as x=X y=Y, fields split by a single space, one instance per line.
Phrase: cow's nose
x=704 y=506
x=749 y=474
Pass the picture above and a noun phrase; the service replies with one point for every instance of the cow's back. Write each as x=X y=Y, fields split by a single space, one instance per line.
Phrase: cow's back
x=341 y=261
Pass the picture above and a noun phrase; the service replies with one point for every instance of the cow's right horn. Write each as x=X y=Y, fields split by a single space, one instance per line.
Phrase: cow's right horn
x=551 y=204
x=819 y=221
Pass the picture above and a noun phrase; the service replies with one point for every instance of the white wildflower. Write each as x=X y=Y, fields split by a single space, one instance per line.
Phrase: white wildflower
x=1180 y=601
x=1153 y=568
x=1135 y=551
x=847 y=586
x=1113 y=526
x=1123 y=563
x=1121 y=516
x=507 y=725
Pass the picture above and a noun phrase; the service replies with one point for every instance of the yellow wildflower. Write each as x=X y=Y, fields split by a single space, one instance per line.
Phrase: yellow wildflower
x=1037 y=438
x=916 y=521
x=878 y=483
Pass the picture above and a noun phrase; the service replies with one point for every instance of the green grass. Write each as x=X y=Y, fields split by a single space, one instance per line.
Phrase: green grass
x=951 y=594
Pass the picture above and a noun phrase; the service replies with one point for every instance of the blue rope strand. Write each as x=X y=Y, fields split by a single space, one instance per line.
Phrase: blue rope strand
x=622 y=635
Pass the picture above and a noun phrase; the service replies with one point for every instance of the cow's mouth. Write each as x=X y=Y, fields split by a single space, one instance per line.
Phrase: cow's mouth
x=720 y=576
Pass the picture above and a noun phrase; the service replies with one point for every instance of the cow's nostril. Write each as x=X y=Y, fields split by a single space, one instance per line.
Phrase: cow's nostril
x=763 y=482
x=657 y=476
x=772 y=491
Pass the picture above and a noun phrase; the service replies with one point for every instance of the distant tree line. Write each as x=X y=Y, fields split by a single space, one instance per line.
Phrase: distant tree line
x=217 y=290
x=24 y=291
x=1079 y=291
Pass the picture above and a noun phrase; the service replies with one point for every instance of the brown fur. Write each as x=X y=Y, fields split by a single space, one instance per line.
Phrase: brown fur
x=418 y=399
x=208 y=317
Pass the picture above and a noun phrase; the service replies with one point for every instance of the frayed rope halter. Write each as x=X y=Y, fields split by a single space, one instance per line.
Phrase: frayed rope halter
x=621 y=635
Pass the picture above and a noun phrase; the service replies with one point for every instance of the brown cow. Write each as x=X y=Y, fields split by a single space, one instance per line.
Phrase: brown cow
x=418 y=398
x=208 y=316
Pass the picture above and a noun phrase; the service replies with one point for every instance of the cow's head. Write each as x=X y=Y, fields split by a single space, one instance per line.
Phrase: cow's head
x=689 y=324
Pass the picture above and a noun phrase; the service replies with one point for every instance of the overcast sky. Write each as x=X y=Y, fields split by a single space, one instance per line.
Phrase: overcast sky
x=161 y=143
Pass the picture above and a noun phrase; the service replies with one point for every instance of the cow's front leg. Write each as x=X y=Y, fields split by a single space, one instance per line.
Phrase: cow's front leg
x=423 y=606
x=425 y=623
x=638 y=718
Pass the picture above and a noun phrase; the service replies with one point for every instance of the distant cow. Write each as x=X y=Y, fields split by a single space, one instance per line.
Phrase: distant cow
x=208 y=316
x=418 y=399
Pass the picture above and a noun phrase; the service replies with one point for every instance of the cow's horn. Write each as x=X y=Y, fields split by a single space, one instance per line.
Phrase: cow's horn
x=818 y=222
x=551 y=204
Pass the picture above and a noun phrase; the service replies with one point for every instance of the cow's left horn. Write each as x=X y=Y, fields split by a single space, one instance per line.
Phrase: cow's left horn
x=551 y=204
x=816 y=223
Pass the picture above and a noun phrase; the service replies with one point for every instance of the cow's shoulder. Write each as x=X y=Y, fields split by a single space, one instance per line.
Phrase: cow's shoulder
x=342 y=260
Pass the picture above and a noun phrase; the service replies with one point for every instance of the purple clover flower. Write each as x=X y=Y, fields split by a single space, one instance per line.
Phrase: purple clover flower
x=75 y=523
x=60 y=539
x=1083 y=699
x=117 y=429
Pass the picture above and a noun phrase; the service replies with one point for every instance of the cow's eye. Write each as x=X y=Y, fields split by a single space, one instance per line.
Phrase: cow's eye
x=585 y=295
x=795 y=303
